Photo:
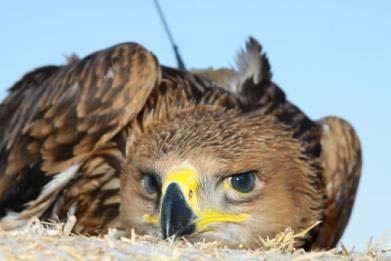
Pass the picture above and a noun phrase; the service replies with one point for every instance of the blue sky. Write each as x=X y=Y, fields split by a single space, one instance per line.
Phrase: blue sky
x=330 y=57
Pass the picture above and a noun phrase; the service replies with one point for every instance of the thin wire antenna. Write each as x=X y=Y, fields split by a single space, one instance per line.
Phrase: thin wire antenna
x=181 y=64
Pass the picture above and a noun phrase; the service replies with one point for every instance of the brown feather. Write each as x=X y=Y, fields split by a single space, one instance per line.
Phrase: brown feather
x=72 y=111
x=341 y=161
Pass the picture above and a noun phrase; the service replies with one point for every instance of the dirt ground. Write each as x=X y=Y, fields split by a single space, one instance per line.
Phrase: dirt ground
x=55 y=242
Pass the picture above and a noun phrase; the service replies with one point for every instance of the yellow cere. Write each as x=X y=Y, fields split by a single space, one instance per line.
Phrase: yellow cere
x=187 y=177
x=151 y=219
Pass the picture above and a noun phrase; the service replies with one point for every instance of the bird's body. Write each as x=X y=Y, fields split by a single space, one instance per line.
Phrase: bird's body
x=118 y=140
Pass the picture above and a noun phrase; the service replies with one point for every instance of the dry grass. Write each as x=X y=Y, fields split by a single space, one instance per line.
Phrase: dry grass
x=39 y=241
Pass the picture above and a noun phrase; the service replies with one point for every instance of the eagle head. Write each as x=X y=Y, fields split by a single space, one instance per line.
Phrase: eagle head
x=208 y=173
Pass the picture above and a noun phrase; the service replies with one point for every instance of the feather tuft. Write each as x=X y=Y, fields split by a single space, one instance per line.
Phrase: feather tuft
x=252 y=63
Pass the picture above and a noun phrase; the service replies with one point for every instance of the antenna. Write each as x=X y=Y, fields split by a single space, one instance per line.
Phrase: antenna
x=180 y=63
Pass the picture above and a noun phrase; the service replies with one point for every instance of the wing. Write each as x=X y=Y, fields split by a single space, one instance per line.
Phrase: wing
x=341 y=160
x=56 y=117
x=223 y=77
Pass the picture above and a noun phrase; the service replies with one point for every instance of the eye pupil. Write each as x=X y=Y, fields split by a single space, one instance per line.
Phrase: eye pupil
x=243 y=182
x=151 y=184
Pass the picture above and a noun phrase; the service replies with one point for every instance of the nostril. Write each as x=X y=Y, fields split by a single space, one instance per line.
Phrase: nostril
x=190 y=193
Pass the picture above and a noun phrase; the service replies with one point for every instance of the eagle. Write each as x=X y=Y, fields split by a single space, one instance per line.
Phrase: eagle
x=118 y=140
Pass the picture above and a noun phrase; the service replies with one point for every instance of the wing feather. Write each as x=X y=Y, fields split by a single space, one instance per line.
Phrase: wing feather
x=59 y=115
x=341 y=160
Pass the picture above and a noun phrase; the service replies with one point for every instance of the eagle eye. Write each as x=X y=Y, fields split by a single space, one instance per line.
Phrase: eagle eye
x=243 y=182
x=151 y=183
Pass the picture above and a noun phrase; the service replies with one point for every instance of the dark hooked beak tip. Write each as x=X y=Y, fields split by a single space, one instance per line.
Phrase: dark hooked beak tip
x=176 y=216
